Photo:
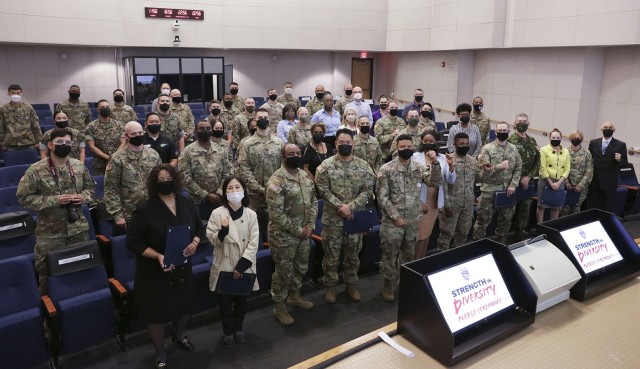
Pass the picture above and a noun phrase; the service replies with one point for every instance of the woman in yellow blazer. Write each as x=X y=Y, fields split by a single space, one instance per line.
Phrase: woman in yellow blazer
x=555 y=164
x=233 y=232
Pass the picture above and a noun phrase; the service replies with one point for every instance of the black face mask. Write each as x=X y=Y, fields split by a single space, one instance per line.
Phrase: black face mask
x=215 y=111
x=348 y=92
x=418 y=98
x=576 y=141
x=406 y=154
x=164 y=107
x=429 y=147
x=293 y=162
x=118 y=98
x=228 y=103
x=273 y=97
x=477 y=107
x=233 y=91
x=502 y=136
x=345 y=150
x=383 y=106
x=555 y=143
x=462 y=150
x=154 y=128
x=425 y=114
x=136 y=141
x=393 y=112
x=62 y=124
x=74 y=95
x=263 y=123
x=465 y=119
x=319 y=95
x=317 y=137
x=165 y=187
x=217 y=133
x=62 y=151
x=365 y=129
x=105 y=112
x=607 y=132
x=204 y=136
x=252 y=131
x=176 y=99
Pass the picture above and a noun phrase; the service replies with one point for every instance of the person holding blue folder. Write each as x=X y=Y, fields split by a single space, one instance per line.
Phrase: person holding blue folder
x=233 y=231
x=555 y=165
x=164 y=291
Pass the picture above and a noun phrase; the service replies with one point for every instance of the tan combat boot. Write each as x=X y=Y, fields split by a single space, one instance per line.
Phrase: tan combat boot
x=281 y=313
x=352 y=291
x=387 y=291
x=330 y=295
x=296 y=300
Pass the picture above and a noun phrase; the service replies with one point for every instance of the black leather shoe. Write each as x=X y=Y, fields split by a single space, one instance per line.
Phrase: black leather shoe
x=183 y=342
x=161 y=364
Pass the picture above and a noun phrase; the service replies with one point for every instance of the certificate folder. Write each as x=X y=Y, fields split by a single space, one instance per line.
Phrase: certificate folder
x=504 y=201
x=363 y=221
x=553 y=198
x=524 y=194
x=227 y=285
x=178 y=238
x=573 y=198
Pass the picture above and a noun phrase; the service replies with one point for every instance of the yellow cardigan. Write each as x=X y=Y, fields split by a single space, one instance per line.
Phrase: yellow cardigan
x=553 y=164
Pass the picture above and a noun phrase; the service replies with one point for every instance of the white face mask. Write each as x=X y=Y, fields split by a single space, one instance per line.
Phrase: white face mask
x=16 y=98
x=288 y=90
x=235 y=197
x=357 y=95
x=351 y=118
x=165 y=91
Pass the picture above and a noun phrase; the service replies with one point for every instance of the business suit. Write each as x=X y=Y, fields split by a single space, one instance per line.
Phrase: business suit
x=602 y=189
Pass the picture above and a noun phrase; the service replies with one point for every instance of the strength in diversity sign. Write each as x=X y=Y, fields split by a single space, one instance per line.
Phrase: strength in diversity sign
x=591 y=246
x=470 y=292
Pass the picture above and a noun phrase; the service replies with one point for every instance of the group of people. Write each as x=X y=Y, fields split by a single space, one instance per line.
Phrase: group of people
x=257 y=174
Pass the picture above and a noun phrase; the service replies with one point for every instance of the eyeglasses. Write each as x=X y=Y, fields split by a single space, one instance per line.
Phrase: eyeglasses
x=66 y=142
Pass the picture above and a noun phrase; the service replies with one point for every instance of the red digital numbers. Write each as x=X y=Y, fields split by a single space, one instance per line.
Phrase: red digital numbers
x=173 y=13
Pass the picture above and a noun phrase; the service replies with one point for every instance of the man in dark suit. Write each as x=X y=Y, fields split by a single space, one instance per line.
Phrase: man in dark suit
x=608 y=155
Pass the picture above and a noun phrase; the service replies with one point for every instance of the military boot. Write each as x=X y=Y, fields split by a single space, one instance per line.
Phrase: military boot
x=387 y=291
x=281 y=313
x=352 y=291
x=330 y=295
x=296 y=300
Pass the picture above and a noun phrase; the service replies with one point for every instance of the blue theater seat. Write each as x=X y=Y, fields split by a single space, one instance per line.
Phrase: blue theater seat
x=10 y=176
x=20 y=157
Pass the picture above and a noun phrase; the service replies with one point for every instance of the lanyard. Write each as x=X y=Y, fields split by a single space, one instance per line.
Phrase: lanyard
x=54 y=174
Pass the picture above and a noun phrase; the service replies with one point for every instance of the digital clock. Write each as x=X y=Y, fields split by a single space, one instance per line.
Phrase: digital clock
x=173 y=13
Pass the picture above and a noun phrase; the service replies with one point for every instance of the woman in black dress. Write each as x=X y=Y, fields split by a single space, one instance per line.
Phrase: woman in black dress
x=163 y=293
x=316 y=151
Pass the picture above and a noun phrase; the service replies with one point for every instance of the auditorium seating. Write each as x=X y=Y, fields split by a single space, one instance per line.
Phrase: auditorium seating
x=10 y=176
x=44 y=113
x=9 y=201
x=195 y=106
x=124 y=266
x=139 y=109
x=37 y=107
x=88 y=162
x=17 y=234
x=20 y=157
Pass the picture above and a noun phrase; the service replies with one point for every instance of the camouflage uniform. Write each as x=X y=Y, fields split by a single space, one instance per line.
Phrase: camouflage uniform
x=172 y=126
x=426 y=123
x=458 y=199
x=368 y=151
x=415 y=138
x=528 y=150
x=482 y=121
x=39 y=192
x=106 y=136
x=275 y=114
x=291 y=200
x=314 y=105
x=581 y=173
x=238 y=102
x=284 y=100
x=494 y=180
x=349 y=183
x=227 y=117
x=203 y=170
x=300 y=136
x=79 y=113
x=342 y=103
x=78 y=142
x=125 y=180
x=183 y=111
x=19 y=126
x=123 y=113
x=384 y=133
x=226 y=146
x=239 y=129
x=398 y=189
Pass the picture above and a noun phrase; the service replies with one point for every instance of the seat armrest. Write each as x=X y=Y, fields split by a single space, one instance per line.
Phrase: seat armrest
x=118 y=287
x=49 y=306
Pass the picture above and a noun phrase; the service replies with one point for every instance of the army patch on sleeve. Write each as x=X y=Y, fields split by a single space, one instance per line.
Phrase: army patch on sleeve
x=274 y=187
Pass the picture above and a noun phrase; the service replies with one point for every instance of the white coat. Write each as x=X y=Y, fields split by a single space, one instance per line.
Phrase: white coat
x=242 y=241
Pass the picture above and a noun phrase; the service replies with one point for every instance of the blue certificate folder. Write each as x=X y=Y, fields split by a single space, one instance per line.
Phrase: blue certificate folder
x=178 y=238
x=504 y=201
x=573 y=198
x=227 y=285
x=363 y=221
x=553 y=198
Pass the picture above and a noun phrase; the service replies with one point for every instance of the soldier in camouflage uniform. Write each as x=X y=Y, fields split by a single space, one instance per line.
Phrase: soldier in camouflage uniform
x=426 y=124
x=239 y=129
x=581 y=172
x=120 y=111
x=342 y=102
x=274 y=108
x=345 y=182
x=51 y=196
x=183 y=111
x=172 y=125
x=288 y=97
x=227 y=114
x=366 y=147
x=456 y=216
x=104 y=137
x=388 y=128
x=126 y=176
x=217 y=138
x=78 y=145
x=398 y=192
x=19 y=124
x=292 y=204
x=300 y=133
x=238 y=101
x=315 y=104
x=500 y=168
x=252 y=127
x=529 y=153
x=412 y=129
x=77 y=109
x=480 y=119
x=259 y=157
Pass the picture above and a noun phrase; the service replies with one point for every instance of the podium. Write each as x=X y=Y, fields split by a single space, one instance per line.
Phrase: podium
x=600 y=248
x=456 y=303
